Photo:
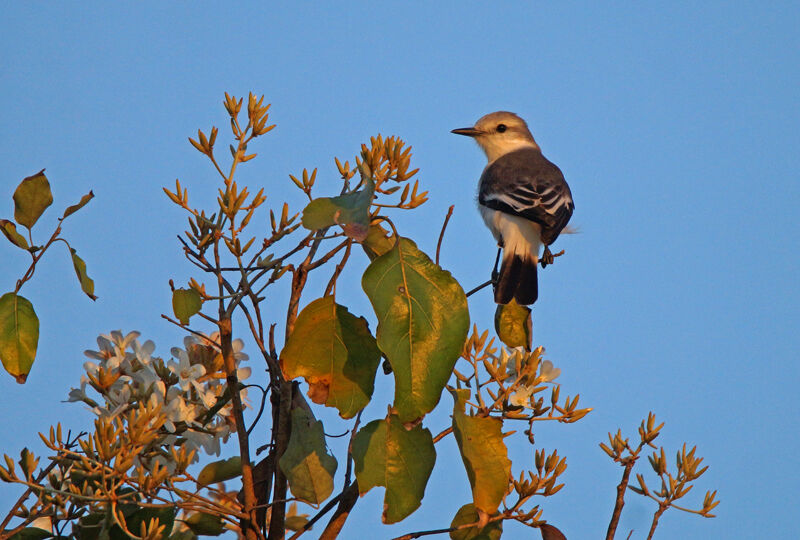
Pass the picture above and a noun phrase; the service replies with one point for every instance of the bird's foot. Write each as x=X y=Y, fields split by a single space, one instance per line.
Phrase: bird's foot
x=548 y=257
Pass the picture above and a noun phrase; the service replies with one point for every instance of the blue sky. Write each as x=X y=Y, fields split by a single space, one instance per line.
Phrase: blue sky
x=676 y=127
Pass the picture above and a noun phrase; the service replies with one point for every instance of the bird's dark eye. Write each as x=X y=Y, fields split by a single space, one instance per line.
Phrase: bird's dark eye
x=501 y=128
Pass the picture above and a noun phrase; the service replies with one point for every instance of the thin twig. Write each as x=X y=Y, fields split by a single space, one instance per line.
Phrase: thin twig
x=331 y=287
x=260 y=409
x=195 y=332
x=325 y=509
x=443 y=434
x=479 y=287
x=441 y=234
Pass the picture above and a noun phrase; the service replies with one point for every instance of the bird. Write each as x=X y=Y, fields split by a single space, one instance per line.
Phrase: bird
x=523 y=199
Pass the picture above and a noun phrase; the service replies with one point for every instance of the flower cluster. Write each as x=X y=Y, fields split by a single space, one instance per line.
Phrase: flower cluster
x=523 y=367
x=189 y=389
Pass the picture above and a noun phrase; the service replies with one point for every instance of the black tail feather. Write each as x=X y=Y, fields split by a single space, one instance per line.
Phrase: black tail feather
x=518 y=280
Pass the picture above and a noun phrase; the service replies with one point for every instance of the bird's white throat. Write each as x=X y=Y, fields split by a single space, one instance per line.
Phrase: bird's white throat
x=495 y=147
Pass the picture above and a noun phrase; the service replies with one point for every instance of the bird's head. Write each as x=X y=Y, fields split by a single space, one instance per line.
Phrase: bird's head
x=499 y=133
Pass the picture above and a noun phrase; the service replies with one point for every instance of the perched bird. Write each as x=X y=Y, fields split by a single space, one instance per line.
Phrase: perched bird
x=524 y=200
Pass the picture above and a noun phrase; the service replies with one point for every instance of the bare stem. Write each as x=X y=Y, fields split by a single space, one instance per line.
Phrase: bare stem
x=661 y=508
x=620 y=502
x=441 y=234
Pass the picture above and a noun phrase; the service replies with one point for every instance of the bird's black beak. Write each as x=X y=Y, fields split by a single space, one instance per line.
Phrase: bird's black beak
x=469 y=132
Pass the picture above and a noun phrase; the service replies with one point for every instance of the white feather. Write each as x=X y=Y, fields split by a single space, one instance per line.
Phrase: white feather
x=517 y=235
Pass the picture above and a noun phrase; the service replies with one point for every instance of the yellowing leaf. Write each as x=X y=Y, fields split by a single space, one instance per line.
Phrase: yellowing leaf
x=350 y=210
x=185 y=303
x=219 y=471
x=468 y=514
x=422 y=324
x=336 y=354
x=87 y=283
x=377 y=242
x=10 y=231
x=386 y=454
x=31 y=199
x=306 y=462
x=75 y=207
x=205 y=524
x=295 y=521
x=514 y=325
x=19 y=335
x=480 y=441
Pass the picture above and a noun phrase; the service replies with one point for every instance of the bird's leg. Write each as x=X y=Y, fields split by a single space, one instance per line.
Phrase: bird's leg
x=496 y=272
x=548 y=257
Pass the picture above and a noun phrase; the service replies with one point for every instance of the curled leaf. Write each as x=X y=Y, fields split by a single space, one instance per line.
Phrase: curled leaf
x=514 y=325
x=87 y=283
x=350 y=210
x=75 y=207
x=10 y=231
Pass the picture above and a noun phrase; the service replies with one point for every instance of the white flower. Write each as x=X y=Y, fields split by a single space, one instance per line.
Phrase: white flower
x=178 y=410
x=198 y=439
x=186 y=372
x=119 y=394
x=522 y=397
x=90 y=367
x=144 y=352
x=145 y=377
x=547 y=372
x=76 y=394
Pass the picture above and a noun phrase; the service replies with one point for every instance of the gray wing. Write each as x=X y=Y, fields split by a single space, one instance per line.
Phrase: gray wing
x=524 y=183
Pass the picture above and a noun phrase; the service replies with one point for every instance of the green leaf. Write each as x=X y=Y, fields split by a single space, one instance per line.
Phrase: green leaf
x=184 y=535
x=32 y=533
x=468 y=514
x=377 y=242
x=295 y=521
x=386 y=454
x=422 y=324
x=306 y=462
x=336 y=354
x=480 y=441
x=10 y=231
x=185 y=303
x=219 y=471
x=350 y=210
x=513 y=325
x=87 y=283
x=205 y=524
x=75 y=207
x=165 y=516
x=19 y=335
x=31 y=199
